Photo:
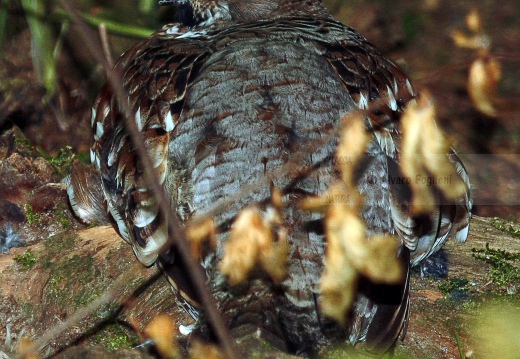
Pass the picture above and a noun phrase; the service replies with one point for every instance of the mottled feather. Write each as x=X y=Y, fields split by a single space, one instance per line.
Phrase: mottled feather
x=224 y=98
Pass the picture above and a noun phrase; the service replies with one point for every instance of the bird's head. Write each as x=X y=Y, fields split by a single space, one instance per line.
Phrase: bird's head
x=193 y=13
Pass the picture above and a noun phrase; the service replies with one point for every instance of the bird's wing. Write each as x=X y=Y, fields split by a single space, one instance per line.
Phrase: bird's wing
x=377 y=85
x=156 y=74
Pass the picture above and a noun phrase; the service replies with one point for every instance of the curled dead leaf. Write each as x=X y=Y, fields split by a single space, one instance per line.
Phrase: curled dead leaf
x=479 y=42
x=476 y=39
x=274 y=259
x=23 y=348
x=411 y=156
x=473 y=21
x=350 y=253
x=424 y=157
x=484 y=72
x=161 y=330
x=338 y=283
x=375 y=256
x=339 y=280
x=484 y=76
x=351 y=148
x=200 y=350
x=382 y=264
x=276 y=197
x=256 y=239
x=317 y=204
x=339 y=192
x=200 y=232
x=241 y=250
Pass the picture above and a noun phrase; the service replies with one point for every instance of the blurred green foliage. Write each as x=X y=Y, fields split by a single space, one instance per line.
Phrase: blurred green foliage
x=42 y=47
x=62 y=163
x=32 y=217
x=26 y=260
x=48 y=23
x=496 y=331
x=3 y=18
x=505 y=266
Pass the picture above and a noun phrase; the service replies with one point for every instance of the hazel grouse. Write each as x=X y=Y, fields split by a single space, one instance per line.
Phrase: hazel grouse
x=226 y=96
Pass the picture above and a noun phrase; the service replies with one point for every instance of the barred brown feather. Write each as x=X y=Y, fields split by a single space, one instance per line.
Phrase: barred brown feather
x=233 y=94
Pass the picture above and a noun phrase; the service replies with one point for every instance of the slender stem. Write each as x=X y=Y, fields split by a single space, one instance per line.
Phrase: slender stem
x=459 y=345
x=42 y=47
x=58 y=15
x=103 y=35
x=116 y=27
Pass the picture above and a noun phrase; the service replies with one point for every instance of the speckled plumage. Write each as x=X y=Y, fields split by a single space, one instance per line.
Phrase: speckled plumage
x=228 y=97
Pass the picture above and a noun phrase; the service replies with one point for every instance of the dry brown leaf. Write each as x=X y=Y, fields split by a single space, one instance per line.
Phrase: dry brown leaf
x=23 y=345
x=484 y=75
x=476 y=39
x=337 y=193
x=441 y=170
x=350 y=253
x=161 y=330
x=479 y=42
x=198 y=233
x=276 y=198
x=338 y=284
x=351 y=148
x=317 y=204
x=252 y=241
x=484 y=72
x=382 y=264
x=274 y=260
x=424 y=157
x=339 y=280
x=411 y=155
x=200 y=350
x=473 y=21
x=241 y=250
x=374 y=257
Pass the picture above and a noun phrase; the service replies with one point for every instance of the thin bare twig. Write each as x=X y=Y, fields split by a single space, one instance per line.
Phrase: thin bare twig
x=103 y=36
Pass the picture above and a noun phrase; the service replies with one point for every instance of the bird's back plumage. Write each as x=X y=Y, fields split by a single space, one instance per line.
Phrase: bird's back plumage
x=224 y=105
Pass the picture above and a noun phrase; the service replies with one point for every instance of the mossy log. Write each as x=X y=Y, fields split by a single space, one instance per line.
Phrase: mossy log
x=50 y=280
x=47 y=282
